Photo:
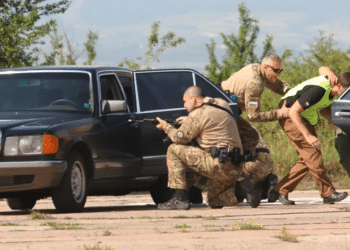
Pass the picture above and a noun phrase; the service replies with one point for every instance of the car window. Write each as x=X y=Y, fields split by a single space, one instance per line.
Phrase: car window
x=346 y=95
x=53 y=91
x=126 y=83
x=209 y=89
x=110 y=89
x=162 y=90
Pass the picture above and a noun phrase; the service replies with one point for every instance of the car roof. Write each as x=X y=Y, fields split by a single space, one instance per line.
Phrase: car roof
x=70 y=67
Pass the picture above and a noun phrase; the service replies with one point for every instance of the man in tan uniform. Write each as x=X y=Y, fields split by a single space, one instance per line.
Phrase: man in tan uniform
x=248 y=84
x=213 y=128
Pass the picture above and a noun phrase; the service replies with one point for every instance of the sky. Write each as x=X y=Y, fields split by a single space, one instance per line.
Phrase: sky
x=124 y=26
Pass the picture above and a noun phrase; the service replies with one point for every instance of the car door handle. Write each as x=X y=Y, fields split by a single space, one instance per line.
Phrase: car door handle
x=342 y=114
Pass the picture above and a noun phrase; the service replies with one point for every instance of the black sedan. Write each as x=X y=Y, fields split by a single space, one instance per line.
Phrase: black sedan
x=70 y=132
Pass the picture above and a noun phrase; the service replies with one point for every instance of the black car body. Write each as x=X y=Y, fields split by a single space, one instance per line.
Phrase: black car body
x=341 y=112
x=69 y=132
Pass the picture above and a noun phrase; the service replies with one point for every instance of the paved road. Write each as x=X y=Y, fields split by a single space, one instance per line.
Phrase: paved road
x=133 y=222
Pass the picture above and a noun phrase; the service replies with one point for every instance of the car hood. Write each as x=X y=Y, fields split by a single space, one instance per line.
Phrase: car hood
x=39 y=121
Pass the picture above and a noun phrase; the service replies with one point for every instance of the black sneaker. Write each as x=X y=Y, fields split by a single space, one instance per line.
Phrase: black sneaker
x=175 y=204
x=245 y=188
x=285 y=201
x=335 y=197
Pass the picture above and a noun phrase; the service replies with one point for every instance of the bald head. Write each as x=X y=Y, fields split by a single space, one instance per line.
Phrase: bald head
x=193 y=98
x=194 y=91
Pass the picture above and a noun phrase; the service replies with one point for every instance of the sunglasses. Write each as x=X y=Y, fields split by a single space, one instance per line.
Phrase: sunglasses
x=277 y=71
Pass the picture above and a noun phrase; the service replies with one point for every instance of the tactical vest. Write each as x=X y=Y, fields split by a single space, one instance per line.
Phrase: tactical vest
x=311 y=114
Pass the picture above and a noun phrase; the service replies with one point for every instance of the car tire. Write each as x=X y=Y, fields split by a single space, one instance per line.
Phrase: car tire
x=159 y=190
x=70 y=194
x=21 y=203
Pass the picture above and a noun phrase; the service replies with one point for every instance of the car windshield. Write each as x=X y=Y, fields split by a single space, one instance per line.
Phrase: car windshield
x=56 y=91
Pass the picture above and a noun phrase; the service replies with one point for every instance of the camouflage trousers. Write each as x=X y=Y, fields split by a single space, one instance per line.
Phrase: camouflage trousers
x=259 y=169
x=249 y=135
x=220 y=177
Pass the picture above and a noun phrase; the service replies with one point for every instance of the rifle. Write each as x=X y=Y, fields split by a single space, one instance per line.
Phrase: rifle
x=175 y=123
x=167 y=141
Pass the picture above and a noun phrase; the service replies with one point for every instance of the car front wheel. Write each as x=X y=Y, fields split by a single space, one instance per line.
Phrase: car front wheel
x=70 y=195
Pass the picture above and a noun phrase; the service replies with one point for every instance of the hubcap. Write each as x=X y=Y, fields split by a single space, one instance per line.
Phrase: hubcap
x=78 y=181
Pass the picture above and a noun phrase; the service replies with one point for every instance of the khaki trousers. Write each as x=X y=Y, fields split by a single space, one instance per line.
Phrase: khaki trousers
x=310 y=160
x=220 y=177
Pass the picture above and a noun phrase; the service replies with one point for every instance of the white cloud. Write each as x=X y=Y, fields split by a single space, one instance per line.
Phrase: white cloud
x=205 y=23
x=340 y=31
x=72 y=14
x=280 y=20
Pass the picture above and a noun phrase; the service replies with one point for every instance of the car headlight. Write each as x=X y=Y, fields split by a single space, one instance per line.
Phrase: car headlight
x=30 y=145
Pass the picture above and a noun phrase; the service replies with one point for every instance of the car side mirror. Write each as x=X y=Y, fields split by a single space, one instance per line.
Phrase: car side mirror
x=113 y=106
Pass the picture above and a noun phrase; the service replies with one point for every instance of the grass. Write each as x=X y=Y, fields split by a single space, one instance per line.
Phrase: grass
x=11 y=224
x=210 y=218
x=34 y=215
x=107 y=233
x=286 y=236
x=61 y=226
x=197 y=216
x=181 y=217
x=217 y=230
x=145 y=217
x=182 y=226
x=97 y=247
x=187 y=217
x=251 y=225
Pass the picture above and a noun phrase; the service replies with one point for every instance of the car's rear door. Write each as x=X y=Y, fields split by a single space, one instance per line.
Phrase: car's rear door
x=159 y=93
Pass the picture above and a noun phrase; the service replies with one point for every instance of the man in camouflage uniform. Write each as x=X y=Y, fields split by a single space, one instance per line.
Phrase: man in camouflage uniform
x=212 y=127
x=248 y=84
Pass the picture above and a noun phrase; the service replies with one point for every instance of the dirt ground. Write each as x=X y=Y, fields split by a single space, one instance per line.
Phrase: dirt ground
x=133 y=222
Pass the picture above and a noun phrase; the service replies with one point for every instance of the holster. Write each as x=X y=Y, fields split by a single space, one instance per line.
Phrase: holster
x=222 y=153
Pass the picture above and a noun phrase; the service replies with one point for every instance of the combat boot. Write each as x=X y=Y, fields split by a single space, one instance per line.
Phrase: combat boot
x=268 y=188
x=335 y=197
x=179 y=201
x=272 y=194
x=285 y=201
x=245 y=189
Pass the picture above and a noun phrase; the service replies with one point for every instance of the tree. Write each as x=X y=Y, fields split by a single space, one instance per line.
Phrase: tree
x=57 y=47
x=19 y=32
x=155 y=47
x=268 y=47
x=90 y=47
x=66 y=53
x=322 y=52
x=239 y=48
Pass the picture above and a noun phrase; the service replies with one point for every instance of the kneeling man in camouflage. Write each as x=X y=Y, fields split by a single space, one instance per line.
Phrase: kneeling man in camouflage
x=219 y=155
